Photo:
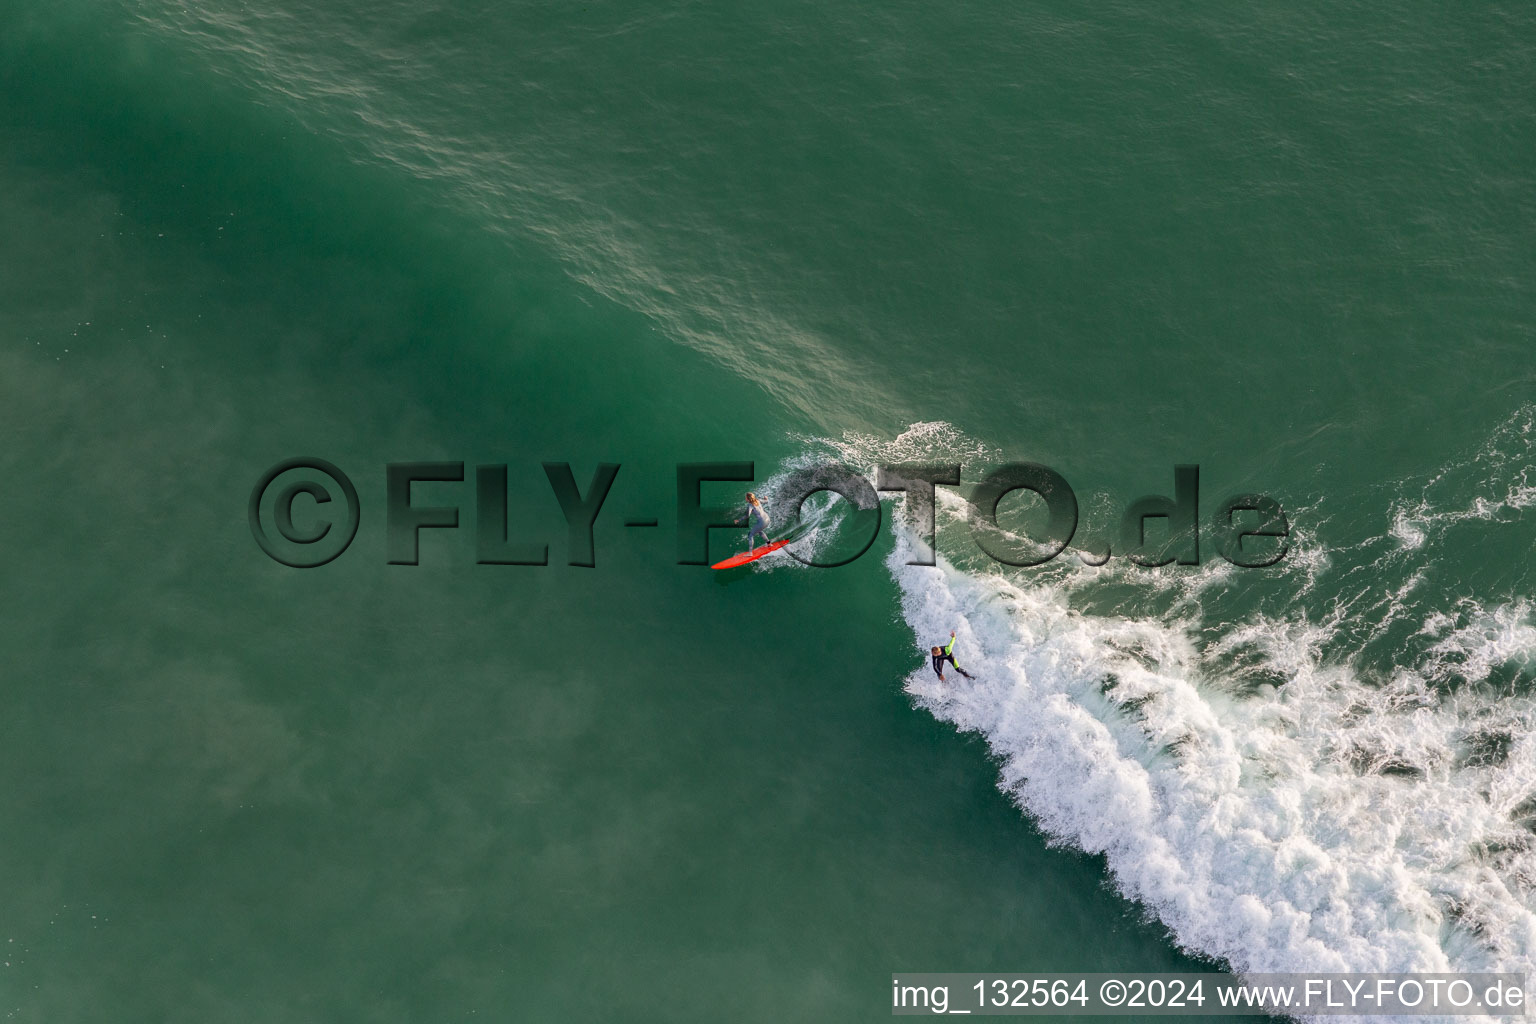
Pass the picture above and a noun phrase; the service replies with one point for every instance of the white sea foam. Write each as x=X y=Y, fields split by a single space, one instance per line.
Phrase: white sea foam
x=1493 y=484
x=1325 y=818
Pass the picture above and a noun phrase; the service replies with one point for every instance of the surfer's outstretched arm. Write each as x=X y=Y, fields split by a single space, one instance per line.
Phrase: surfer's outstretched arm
x=949 y=654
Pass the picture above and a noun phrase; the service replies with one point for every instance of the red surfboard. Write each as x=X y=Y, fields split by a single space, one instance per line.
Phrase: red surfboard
x=751 y=556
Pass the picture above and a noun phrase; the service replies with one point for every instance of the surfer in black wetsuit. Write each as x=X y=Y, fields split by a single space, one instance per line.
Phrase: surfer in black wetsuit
x=943 y=654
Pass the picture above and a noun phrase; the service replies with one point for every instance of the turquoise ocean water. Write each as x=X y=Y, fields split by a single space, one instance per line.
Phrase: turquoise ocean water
x=1289 y=244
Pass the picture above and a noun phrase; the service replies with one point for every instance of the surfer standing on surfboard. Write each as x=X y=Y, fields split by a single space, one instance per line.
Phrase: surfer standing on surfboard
x=757 y=521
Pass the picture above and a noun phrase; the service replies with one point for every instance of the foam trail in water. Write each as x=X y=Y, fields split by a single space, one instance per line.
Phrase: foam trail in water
x=1330 y=821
